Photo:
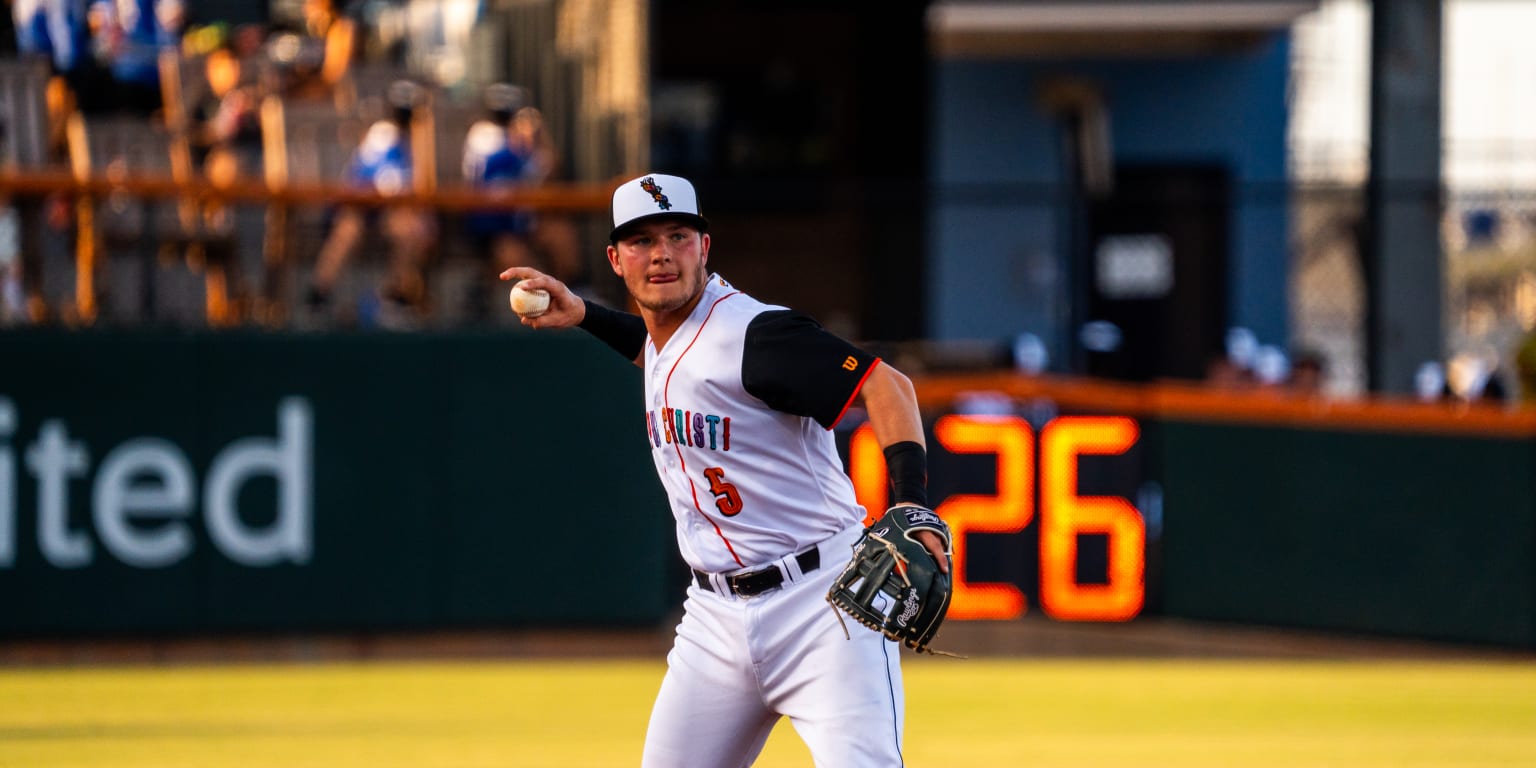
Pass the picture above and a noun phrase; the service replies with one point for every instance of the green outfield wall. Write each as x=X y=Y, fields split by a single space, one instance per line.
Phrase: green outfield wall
x=164 y=482
x=1403 y=533
x=158 y=482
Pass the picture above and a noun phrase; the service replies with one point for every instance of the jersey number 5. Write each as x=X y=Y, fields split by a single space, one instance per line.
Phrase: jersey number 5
x=726 y=498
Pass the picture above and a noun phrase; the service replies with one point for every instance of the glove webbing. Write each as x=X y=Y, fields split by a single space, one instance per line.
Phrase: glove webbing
x=872 y=583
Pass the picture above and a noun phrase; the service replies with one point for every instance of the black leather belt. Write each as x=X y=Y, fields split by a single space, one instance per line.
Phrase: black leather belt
x=760 y=581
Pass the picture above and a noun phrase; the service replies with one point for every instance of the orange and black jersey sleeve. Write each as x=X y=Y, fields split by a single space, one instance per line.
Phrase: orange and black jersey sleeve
x=796 y=366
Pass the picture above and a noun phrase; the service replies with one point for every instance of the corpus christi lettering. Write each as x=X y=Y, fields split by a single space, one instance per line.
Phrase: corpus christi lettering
x=145 y=492
x=695 y=430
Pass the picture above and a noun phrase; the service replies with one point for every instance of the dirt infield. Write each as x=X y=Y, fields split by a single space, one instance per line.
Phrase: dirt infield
x=1035 y=637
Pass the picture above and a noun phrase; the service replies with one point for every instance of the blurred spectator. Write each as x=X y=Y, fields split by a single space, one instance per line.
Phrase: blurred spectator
x=553 y=234
x=52 y=28
x=1429 y=383
x=1494 y=392
x=52 y=31
x=1242 y=347
x=226 y=119
x=493 y=161
x=246 y=42
x=1271 y=367
x=510 y=146
x=1029 y=354
x=313 y=61
x=226 y=145
x=57 y=29
x=129 y=35
x=1474 y=378
x=1308 y=373
x=337 y=36
x=1222 y=372
x=382 y=163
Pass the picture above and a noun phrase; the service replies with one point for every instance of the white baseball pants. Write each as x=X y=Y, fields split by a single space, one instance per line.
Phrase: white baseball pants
x=739 y=663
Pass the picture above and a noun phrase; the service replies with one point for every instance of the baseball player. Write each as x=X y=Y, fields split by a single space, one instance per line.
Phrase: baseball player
x=740 y=400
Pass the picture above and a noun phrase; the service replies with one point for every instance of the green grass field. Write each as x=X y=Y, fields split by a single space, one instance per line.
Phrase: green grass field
x=572 y=714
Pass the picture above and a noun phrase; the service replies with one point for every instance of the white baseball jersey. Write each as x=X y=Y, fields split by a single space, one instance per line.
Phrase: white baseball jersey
x=740 y=404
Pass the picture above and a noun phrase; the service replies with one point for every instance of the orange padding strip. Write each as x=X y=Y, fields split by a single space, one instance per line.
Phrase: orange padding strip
x=1184 y=401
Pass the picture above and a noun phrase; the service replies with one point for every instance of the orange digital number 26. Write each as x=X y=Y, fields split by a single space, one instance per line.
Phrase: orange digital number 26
x=1064 y=515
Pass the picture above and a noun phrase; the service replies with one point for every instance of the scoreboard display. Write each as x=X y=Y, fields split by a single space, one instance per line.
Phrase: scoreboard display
x=1043 y=510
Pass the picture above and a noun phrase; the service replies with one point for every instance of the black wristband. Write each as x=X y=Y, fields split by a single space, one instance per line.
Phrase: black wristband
x=624 y=332
x=907 y=465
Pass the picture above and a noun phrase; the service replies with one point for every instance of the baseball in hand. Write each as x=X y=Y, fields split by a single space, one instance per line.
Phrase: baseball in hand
x=529 y=302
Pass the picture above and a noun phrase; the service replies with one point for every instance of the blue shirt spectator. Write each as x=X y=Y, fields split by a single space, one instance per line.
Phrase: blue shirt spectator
x=491 y=160
x=382 y=159
x=52 y=28
x=129 y=35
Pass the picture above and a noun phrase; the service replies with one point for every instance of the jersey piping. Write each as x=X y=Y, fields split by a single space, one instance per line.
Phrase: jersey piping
x=677 y=446
x=854 y=395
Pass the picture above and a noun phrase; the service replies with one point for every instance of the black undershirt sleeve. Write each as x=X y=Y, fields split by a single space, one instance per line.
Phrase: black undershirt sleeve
x=624 y=332
x=796 y=366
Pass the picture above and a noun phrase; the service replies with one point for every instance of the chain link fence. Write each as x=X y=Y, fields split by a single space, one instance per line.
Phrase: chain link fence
x=1489 y=284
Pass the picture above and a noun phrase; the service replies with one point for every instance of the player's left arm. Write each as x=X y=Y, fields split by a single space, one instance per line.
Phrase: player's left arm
x=891 y=402
x=795 y=365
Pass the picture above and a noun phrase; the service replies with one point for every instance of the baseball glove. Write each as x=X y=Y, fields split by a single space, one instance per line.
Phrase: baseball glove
x=888 y=559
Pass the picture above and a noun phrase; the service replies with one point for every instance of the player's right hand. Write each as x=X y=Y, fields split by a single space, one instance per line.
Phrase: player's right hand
x=566 y=309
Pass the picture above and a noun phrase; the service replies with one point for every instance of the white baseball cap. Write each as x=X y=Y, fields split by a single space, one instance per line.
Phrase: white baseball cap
x=655 y=195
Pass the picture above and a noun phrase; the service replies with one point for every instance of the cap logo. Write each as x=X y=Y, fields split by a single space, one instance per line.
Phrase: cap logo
x=651 y=188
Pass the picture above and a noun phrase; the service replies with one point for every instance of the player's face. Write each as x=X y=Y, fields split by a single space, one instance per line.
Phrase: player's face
x=662 y=264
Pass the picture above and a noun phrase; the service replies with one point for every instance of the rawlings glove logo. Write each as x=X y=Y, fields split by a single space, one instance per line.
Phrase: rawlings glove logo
x=909 y=608
x=920 y=516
